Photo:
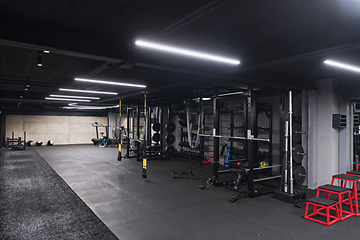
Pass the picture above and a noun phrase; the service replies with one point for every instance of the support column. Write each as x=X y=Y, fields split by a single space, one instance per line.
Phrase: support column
x=2 y=127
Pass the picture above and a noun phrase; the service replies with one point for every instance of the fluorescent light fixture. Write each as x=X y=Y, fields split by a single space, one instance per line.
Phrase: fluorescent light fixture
x=342 y=65
x=186 y=52
x=206 y=98
x=46 y=51
x=86 y=91
x=112 y=83
x=67 y=99
x=228 y=94
x=67 y=96
x=74 y=106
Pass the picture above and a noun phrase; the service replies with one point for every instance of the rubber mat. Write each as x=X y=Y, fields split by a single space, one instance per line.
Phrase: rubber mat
x=35 y=202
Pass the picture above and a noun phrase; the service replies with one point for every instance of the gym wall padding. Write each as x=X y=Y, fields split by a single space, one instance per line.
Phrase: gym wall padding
x=60 y=129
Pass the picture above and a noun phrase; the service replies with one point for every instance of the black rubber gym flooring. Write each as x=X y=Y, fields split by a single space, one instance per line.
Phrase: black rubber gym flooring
x=160 y=207
x=35 y=203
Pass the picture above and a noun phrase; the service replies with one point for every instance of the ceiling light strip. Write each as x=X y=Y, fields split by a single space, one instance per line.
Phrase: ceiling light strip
x=68 y=96
x=67 y=99
x=186 y=52
x=87 y=91
x=228 y=94
x=112 y=83
x=342 y=65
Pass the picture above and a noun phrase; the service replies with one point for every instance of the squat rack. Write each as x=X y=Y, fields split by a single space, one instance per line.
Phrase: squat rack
x=249 y=138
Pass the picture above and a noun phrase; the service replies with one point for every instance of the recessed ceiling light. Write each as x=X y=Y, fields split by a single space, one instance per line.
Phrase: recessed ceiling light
x=186 y=52
x=112 y=83
x=87 y=91
x=68 y=96
x=67 y=99
x=342 y=65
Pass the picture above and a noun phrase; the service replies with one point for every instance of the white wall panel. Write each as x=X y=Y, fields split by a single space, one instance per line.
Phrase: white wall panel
x=60 y=129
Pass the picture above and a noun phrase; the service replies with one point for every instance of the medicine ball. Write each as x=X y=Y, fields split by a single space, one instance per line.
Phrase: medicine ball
x=50 y=142
x=39 y=143
x=30 y=143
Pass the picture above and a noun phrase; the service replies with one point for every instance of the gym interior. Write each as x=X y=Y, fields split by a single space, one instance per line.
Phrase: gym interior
x=203 y=119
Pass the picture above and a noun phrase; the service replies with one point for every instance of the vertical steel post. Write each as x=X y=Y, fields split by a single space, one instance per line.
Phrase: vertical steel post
x=161 y=131
x=128 y=132
x=138 y=134
x=216 y=140
x=12 y=142
x=291 y=179
x=24 y=140
x=250 y=117
x=144 y=171
x=271 y=140
x=119 y=153
x=281 y=138
x=286 y=156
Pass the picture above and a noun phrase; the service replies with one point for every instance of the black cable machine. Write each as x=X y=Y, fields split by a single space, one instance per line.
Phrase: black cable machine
x=190 y=148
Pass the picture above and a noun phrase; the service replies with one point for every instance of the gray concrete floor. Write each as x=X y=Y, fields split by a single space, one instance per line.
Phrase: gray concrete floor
x=162 y=208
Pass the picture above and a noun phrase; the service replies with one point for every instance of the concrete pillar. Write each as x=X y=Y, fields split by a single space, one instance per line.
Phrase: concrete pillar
x=111 y=123
x=304 y=125
x=328 y=148
x=345 y=146
x=312 y=149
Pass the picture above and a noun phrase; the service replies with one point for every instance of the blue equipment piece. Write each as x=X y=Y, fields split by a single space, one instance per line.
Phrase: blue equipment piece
x=228 y=157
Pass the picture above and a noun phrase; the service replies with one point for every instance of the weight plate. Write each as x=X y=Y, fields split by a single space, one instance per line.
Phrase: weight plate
x=170 y=150
x=298 y=153
x=296 y=132
x=156 y=127
x=299 y=174
x=170 y=139
x=156 y=137
x=170 y=127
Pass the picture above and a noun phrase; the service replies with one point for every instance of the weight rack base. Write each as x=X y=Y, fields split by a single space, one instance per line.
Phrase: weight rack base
x=290 y=198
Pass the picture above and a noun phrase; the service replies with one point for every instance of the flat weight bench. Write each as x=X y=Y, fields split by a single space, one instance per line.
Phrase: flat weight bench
x=340 y=191
x=323 y=204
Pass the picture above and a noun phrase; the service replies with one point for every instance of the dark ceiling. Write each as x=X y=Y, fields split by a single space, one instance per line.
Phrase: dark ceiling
x=280 y=43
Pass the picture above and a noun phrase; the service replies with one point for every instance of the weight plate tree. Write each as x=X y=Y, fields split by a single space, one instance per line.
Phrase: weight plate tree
x=170 y=138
